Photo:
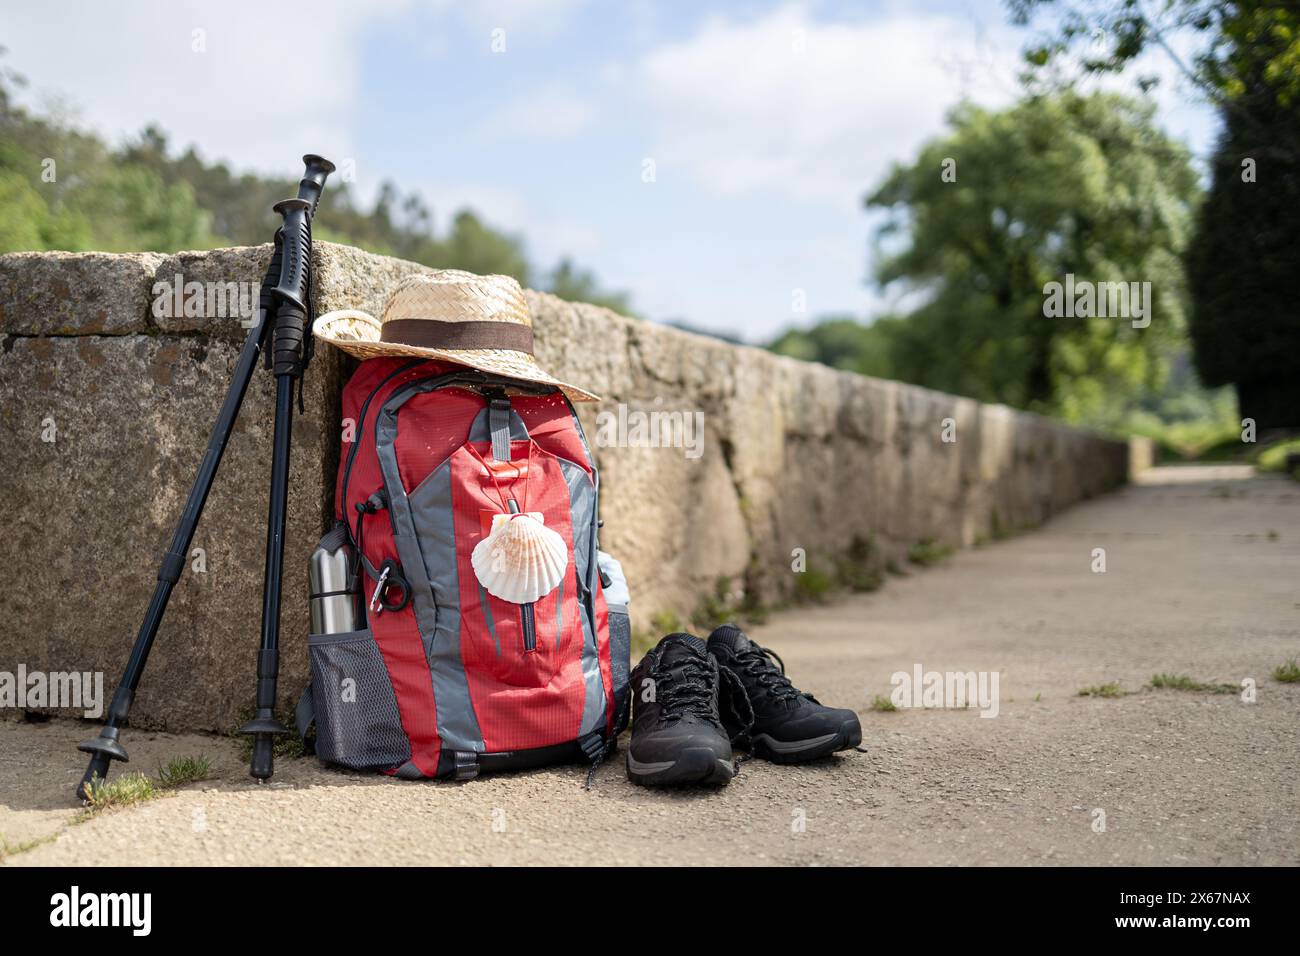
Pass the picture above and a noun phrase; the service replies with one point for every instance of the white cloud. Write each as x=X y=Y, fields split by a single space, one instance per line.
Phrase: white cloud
x=553 y=111
x=810 y=109
x=271 y=80
x=533 y=18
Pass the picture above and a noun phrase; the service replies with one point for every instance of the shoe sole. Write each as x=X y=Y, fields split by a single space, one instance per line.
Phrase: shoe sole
x=801 y=751
x=698 y=765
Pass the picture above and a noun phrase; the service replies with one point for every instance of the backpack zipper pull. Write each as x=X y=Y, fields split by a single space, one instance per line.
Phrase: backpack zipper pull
x=596 y=748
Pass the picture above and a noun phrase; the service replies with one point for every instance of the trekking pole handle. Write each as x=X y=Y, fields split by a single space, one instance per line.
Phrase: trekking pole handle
x=312 y=183
x=296 y=231
x=293 y=283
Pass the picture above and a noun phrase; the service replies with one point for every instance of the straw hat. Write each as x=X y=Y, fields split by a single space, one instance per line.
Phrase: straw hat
x=479 y=321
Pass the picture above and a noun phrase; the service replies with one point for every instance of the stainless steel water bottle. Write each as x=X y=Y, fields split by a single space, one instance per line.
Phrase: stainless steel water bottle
x=335 y=600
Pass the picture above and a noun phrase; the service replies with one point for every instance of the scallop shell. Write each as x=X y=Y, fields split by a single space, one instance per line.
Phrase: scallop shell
x=521 y=559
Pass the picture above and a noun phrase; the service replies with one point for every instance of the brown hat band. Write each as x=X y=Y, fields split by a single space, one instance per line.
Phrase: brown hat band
x=431 y=334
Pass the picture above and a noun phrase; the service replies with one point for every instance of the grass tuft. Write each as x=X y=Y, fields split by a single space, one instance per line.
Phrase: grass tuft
x=1183 y=682
x=1273 y=458
x=132 y=788
x=1111 y=689
x=288 y=745
x=813 y=585
x=1288 y=673
x=726 y=603
x=122 y=791
x=927 y=552
x=859 y=569
x=883 y=704
x=183 y=770
x=8 y=849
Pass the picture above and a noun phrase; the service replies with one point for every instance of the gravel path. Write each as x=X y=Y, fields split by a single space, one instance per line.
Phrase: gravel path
x=1202 y=568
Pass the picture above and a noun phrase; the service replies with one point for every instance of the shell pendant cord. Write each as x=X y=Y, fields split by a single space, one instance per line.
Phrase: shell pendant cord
x=520 y=559
x=501 y=496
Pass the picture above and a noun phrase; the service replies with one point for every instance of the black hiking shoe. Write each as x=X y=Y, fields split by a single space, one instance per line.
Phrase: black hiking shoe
x=789 y=726
x=677 y=733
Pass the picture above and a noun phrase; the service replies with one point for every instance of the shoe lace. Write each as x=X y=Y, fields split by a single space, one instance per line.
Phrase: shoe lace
x=765 y=668
x=738 y=718
x=687 y=687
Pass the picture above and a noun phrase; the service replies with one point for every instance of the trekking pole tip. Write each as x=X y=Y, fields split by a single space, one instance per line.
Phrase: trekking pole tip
x=94 y=776
x=103 y=750
x=263 y=763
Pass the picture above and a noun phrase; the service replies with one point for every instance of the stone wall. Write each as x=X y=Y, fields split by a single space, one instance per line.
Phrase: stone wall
x=107 y=399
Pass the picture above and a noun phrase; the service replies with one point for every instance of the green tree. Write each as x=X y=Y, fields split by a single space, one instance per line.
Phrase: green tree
x=1242 y=262
x=129 y=208
x=1011 y=201
x=846 y=343
x=238 y=206
x=26 y=216
x=579 y=285
x=474 y=247
x=1241 y=44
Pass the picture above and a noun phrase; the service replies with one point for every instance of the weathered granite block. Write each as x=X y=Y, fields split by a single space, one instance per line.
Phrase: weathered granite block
x=75 y=293
x=100 y=438
x=108 y=392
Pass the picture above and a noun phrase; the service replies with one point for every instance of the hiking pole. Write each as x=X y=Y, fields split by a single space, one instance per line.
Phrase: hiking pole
x=105 y=748
x=290 y=353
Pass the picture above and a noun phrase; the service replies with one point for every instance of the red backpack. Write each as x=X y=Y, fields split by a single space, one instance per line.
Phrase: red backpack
x=442 y=678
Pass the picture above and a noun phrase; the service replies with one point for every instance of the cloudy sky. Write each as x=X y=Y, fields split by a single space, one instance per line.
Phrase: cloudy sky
x=765 y=122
